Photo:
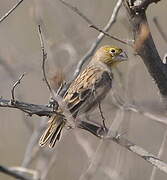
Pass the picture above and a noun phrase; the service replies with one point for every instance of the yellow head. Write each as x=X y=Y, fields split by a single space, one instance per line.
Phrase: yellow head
x=110 y=55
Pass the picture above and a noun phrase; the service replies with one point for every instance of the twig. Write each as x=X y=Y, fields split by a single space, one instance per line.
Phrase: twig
x=14 y=86
x=94 y=45
x=91 y=24
x=155 y=20
x=10 y=11
x=112 y=37
x=44 y=57
x=12 y=173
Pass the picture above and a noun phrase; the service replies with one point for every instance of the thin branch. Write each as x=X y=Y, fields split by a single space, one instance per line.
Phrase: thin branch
x=112 y=37
x=12 y=173
x=14 y=86
x=44 y=57
x=10 y=11
x=91 y=24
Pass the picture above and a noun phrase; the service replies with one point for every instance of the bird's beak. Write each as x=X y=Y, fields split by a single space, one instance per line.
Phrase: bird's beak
x=122 y=57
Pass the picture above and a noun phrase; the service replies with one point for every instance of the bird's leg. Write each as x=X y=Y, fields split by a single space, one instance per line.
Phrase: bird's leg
x=100 y=109
x=102 y=116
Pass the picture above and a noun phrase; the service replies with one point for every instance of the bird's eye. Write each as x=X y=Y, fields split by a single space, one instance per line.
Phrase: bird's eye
x=112 y=51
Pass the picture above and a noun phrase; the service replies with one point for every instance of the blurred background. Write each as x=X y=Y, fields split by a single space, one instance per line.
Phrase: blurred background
x=79 y=155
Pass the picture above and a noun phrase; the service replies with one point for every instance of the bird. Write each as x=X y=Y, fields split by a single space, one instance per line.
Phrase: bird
x=88 y=89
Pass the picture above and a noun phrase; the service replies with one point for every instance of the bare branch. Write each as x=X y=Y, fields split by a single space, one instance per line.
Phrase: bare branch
x=14 y=86
x=10 y=11
x=31 y=109
x=112 y=37
x=98 y=131
x=44 y=57
x=91 y=24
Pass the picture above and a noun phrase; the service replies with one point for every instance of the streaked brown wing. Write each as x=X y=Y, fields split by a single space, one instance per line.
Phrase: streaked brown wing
x=81 y=94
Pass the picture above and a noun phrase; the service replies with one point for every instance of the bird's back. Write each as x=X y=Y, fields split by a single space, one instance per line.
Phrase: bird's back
x=90 y=86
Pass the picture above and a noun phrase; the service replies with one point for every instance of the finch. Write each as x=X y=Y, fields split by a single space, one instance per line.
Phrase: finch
x=86 y=91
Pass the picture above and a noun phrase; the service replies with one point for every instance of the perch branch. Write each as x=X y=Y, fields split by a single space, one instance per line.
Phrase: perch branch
x=97 y=130
x=31 y=109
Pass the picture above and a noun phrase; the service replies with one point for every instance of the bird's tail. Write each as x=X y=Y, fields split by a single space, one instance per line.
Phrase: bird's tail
x=53 y=133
